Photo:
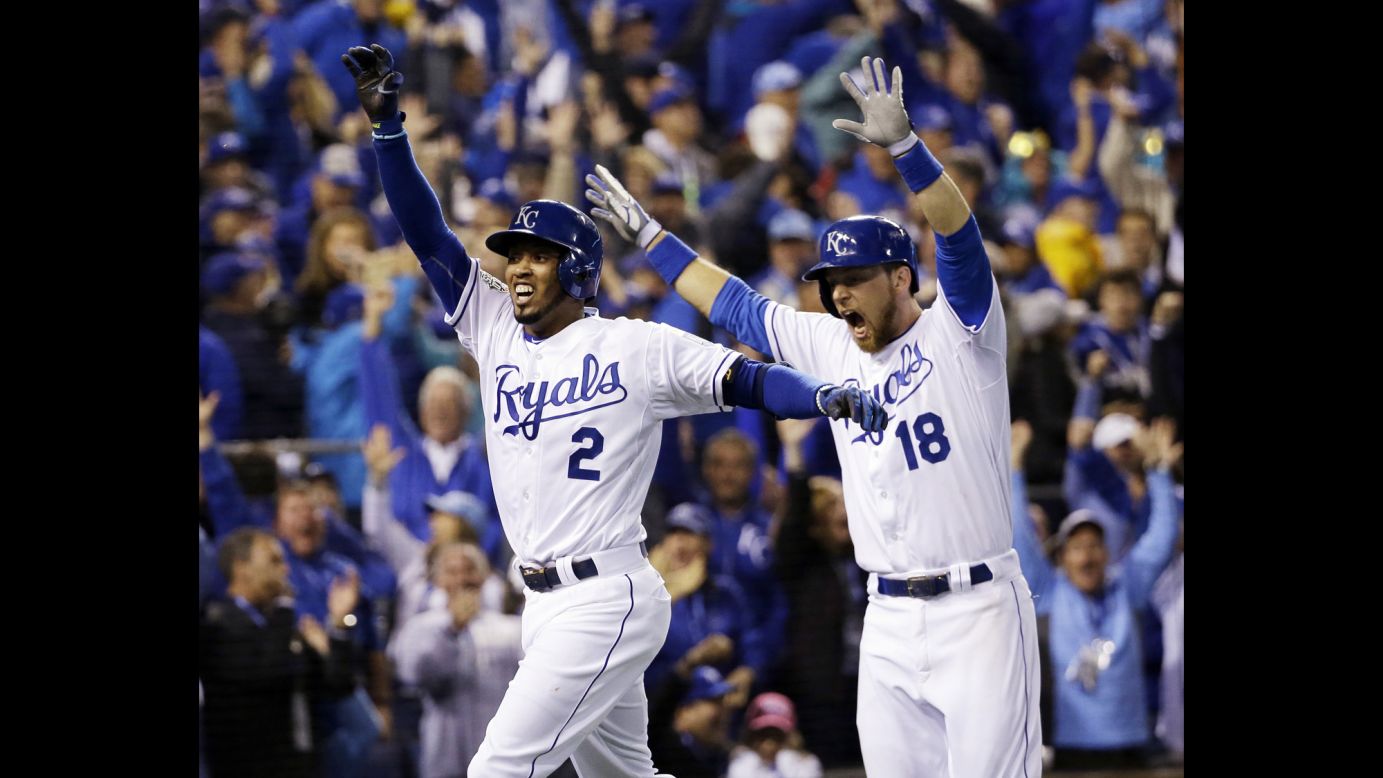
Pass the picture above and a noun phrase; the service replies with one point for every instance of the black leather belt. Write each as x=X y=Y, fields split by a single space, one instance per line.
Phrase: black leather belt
x=542 y=579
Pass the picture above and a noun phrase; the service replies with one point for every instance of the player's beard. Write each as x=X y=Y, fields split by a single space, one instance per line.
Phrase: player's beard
x=880 y=335
x=537 y=314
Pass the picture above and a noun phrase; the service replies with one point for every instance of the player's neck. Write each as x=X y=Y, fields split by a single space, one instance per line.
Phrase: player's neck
x=561 y=317
x=908 y=314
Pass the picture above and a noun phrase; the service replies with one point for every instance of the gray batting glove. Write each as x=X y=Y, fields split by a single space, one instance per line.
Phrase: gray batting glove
x=886 y=122
x=620 y=209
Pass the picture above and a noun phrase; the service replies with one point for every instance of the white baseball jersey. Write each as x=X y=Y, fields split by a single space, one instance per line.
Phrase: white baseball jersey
x=573 y=422
x=932 y=489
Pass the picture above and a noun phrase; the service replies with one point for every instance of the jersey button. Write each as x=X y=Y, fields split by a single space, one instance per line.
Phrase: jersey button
x=525 y=495
x=539 y=357
x=883 y=495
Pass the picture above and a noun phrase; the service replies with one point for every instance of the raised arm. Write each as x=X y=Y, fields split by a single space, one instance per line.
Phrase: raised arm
x=722 y=298
x=390 y=537
x=411 y=200
x=962 y=266
x=1153 y=551
x=1031 y=558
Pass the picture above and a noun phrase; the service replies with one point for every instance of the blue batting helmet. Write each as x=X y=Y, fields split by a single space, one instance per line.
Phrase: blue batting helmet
x=579 y=270
x=861 y=241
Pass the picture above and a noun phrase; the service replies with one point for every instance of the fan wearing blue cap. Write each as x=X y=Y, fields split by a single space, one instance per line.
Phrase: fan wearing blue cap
x=574 y=405
x=234 y=286
x=780 y=83
x=1091 y=594
x=791 y=249
x=691 y=717
x=928 y=498
x=227 y=216
x=705 y=604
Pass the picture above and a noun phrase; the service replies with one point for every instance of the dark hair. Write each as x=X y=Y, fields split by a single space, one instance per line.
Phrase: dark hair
x=1096 y=63
x=237 y=547
x=316 y=473
x=1121 y=277
x=217 y=20
x=965 y=165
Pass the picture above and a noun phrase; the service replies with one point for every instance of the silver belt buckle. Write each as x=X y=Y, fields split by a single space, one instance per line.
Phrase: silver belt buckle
x=925 y=586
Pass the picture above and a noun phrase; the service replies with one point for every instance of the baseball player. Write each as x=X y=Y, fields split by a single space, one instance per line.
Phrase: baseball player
x=574 y=406
x=948 y=659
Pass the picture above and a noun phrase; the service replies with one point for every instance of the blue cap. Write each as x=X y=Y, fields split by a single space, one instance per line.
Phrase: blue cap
x=634 y=12
x=257 y=245
x=230 y=199
x=791 y=224
x=339 y=163
x=1174 y=134
x=634 y=261
x=225 y=146
x=224 y=271
x=666 y=98
x=233 y=198
x=1020 y=225
x=1065 y=188
x=642 y=66
x=494 y=190
x=458 y=503
x=345 y=303
x=678 y=75
x=931 y=117
x=775 y=77
x=691 y=517
x=636 y=295
x=707 y=684
x=667 y=183
x=529 y=156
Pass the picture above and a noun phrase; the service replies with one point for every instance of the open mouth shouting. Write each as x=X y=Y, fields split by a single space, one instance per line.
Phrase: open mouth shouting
x=859 y=328
x=523 y=292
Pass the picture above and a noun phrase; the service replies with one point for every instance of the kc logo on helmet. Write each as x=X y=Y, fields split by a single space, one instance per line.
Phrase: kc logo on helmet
x=527 y=216
x=841 y=244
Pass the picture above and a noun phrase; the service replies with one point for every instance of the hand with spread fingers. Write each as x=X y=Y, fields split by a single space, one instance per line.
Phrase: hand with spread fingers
x=886 y=121
x=616 y=206
x=376 y=82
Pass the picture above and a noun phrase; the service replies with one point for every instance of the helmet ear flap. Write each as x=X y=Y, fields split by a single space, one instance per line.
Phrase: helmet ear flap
x=579 y=274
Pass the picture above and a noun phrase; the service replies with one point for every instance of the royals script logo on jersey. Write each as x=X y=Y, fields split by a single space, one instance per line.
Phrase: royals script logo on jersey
x=902 y=383
x=529 y=405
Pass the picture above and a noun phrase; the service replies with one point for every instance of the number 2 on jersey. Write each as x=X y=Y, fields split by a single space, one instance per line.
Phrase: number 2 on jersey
x=585 y=435
x=926 y=439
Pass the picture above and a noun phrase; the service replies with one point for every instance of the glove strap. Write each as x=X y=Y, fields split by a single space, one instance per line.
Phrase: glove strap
x=388 y=129
x=819 y=391
x=648 y=233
